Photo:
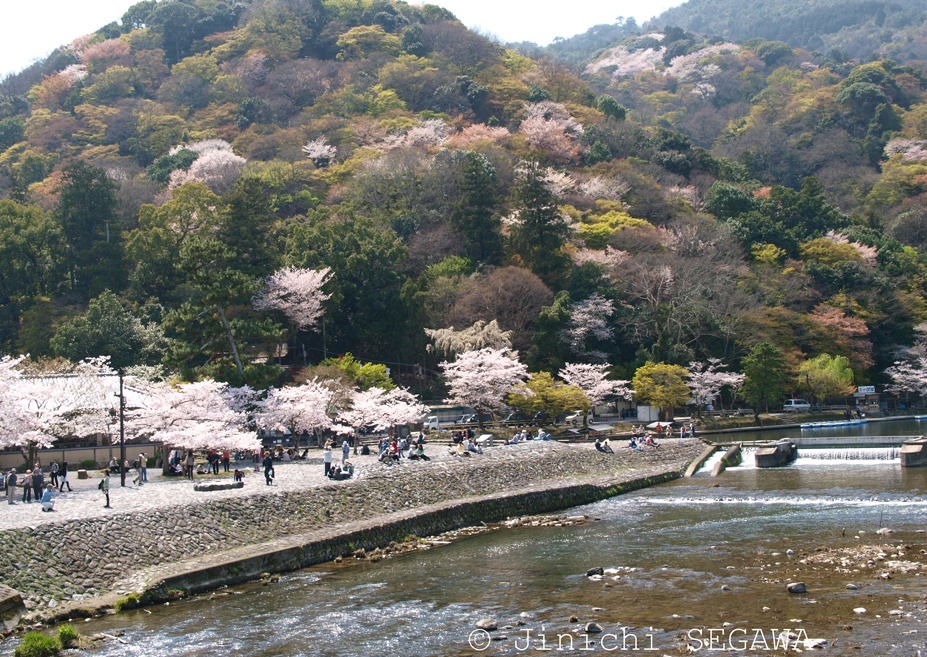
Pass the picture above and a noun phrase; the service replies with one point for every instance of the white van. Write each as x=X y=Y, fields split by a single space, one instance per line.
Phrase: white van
x=431 y=423
x=796 y=406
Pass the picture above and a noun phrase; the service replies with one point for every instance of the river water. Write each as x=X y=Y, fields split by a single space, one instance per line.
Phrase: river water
x=685 y=562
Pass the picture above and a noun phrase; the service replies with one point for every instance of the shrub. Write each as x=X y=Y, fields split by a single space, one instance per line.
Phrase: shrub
x=36 y=644
x=67 y=636
x=88 y=464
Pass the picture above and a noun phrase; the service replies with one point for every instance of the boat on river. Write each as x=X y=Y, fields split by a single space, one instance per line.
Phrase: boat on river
x=775 y=454
x=834 y=423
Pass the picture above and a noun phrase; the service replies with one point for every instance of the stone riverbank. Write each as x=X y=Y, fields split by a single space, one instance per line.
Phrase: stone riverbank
x=73 y=567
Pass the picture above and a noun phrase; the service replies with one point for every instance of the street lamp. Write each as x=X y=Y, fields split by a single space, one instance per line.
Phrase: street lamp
x=122 y=431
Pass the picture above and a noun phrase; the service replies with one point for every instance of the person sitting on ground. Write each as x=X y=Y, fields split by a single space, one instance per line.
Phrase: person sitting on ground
x=633 y=444
x=347 y=471
x=335 y=472
x=239 y=475
x=114 y=465
x=471 y=446
x=650 y=441
x=606 y=447
x=48 y=503
x=603 y=446
x=418 y=454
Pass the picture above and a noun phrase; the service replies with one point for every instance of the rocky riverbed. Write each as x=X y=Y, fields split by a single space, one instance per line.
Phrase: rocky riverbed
x=63 y=564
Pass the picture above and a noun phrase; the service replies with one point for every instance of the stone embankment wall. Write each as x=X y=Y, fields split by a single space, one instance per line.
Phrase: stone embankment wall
x=224 y=541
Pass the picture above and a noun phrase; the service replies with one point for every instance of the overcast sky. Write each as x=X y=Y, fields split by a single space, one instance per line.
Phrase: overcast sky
x=31 y=29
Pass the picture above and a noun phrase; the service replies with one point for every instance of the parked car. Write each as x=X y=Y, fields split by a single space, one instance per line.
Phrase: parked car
x=540 y=417
x=515 y=416
x=796 y=406
x=576 y=418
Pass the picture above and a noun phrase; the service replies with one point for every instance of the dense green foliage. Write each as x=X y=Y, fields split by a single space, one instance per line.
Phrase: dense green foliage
x=662 y=197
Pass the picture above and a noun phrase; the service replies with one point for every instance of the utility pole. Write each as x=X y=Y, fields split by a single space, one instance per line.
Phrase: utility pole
x=122 y=430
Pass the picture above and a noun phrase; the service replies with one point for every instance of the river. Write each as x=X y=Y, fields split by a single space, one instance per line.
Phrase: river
x=684 y=562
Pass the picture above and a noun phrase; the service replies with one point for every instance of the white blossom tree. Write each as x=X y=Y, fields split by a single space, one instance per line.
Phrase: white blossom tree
x=296 y=292
x=202 y=415
x=593 y=380
x=705 y=380
x=482 y=378
x=909 y=375
x=320 y=151
x=216 y=166
x=589 y=321
x=38 y=408
x=381 y=409
x=298 y=409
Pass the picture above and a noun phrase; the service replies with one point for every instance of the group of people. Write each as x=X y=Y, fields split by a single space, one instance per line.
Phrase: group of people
x=525 y=435
x=394 y=449
x=33 y=484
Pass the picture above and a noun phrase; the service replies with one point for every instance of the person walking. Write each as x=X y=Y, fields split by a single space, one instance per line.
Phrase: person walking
x=104 y=486
x=328 y=456
x=53 y=473
x=268 y=468
x=226 y=460
x=143 y=462
x=27 y=487
x=345 y=451
x=138 y=471
x=11 y=486
x=38 y=481
x=64 y=478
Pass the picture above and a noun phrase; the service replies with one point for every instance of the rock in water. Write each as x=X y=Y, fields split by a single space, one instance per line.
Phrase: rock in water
x=593 y=628
x=487 y=624
x=595 y=571
x=797 y=587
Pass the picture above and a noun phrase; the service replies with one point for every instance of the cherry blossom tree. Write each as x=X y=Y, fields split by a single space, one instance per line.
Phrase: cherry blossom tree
x=481 y=379
x=909 y=375
x=298 y=409
x=202 y=415
x=37 y=408
x=549 y=127
x=382 y=409
x=589 y=320
x=295 y=292
x=216 y=165
x=320 y=151
x=705 y=380
x=593 y=380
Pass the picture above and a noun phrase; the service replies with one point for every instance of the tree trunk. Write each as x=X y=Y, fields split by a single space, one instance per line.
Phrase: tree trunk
x=230 y=338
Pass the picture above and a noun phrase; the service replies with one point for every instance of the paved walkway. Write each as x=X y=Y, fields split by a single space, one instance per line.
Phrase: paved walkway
x=86 y=501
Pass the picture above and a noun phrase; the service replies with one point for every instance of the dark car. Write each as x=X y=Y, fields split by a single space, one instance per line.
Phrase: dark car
x=515 y=416
x=540 y=417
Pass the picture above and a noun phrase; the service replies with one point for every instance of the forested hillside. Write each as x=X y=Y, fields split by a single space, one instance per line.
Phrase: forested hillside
x=857 y=29
x=679 y=199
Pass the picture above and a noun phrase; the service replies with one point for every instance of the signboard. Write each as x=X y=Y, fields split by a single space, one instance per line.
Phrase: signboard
x=866 y=390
